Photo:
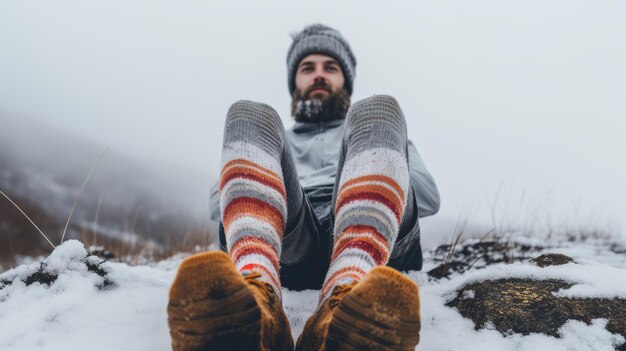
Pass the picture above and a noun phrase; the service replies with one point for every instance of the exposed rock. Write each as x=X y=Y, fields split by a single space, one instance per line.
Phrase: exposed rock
x=444 y=270
x=478 y=254
x=618 y=248
x=529 y=306
x=551 y=259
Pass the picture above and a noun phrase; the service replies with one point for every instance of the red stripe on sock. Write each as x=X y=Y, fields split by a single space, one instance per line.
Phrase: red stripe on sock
x=254 y=207
x=362 y=244
x=370 y=197
x=259 y=178
x=375 y=178
x=360 y=232
x=251 y=250
x=244 y=162
x=366 y=188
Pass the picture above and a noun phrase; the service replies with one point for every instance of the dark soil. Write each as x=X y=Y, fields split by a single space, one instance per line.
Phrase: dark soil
x=4 y=283
x=95 y=268
x=41 y=277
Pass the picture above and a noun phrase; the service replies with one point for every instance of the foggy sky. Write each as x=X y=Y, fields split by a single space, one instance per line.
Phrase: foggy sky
x=518 y=108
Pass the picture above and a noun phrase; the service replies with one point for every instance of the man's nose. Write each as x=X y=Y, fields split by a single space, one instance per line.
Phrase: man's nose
x=320 y=72
x=319 y=80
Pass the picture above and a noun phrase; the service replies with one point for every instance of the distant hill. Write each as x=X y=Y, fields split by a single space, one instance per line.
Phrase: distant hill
x=138 y=205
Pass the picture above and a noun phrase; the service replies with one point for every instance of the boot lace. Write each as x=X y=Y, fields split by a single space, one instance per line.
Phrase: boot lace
x=267 y=289
x=339 y=292
x=252 y=277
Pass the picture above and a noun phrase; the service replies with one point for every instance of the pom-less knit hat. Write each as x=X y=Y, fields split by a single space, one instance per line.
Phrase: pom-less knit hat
x=320 y=39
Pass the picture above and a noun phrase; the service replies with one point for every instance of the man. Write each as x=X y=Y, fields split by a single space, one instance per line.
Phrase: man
x=343 y=172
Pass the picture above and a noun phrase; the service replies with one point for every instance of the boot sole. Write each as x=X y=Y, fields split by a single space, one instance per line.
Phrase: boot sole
x=237 y=321
x=356 y=327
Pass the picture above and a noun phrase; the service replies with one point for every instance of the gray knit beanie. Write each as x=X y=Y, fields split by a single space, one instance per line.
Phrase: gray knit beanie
x=320 y=39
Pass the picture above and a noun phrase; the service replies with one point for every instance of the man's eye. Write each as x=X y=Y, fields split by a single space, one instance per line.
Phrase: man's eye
x=306 y=69
x=331 y=68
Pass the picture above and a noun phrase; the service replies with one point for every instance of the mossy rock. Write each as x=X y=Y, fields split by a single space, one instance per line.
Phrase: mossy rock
x=528 y=306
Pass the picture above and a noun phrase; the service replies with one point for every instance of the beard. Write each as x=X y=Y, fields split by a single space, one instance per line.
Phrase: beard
x=305 y=108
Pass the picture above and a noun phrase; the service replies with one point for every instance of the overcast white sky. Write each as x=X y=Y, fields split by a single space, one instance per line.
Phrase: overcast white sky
x=517 y=107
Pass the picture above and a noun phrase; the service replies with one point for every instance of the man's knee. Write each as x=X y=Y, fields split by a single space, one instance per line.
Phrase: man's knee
x=256 y=113
x=376 y=106
x=255 y=122
x=375 y=119
x=379 y=100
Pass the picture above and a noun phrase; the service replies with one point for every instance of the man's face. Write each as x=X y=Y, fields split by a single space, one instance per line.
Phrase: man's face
x=320 y=94
x=315 y=70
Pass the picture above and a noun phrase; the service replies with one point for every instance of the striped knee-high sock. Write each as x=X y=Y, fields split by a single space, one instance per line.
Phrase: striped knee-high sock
x=372 y=191
x=253 y=199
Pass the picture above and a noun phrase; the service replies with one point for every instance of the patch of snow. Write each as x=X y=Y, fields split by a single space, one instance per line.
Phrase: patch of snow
x=299 y=306
x=579 y=336
x=591 y=278
x=74 y=314
x=66 y=256
x=469 y=294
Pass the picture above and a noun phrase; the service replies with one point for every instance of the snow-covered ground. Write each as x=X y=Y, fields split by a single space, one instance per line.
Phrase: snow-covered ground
x=81 y=310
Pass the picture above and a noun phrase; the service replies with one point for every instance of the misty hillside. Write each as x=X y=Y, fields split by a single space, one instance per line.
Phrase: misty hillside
x=128 y=204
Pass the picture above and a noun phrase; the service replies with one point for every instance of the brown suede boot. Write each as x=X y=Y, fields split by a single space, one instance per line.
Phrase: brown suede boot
x=213 y=307
x=381 y=312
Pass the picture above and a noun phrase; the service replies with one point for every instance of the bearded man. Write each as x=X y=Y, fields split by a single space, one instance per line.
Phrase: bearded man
x=331 y=204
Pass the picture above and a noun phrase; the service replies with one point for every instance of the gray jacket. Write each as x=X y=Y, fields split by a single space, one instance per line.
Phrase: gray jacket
x=315 y=148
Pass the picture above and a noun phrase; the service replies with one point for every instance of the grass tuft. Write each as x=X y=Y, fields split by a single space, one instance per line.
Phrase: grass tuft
x=81 y=191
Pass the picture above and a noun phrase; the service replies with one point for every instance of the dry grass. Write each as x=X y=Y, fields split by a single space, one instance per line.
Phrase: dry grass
x=82 y=187
x=193 y=239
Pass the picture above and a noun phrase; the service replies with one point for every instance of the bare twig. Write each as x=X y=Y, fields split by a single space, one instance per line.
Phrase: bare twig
x=495 y=204
x=454 y=241
x=456 y=229
x=25 y=215
x=95 y=225
x=134 y=221
x=81 y=191
x=491 y=231
x=479 y=242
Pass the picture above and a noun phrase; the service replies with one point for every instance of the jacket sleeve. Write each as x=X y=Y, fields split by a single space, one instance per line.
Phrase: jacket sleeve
x=425 y=189
x=214 y=203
